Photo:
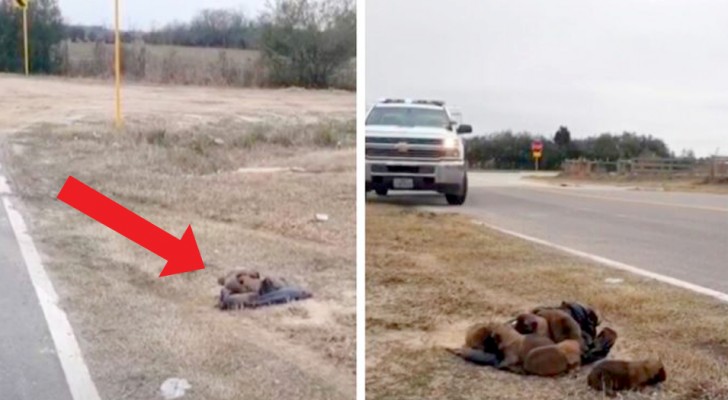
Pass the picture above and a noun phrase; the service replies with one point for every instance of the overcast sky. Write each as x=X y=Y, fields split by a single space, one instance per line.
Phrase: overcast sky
x=143 y=14
x=651 y=66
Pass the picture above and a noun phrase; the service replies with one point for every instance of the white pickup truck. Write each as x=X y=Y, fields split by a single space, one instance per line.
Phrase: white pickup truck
x=414 y=145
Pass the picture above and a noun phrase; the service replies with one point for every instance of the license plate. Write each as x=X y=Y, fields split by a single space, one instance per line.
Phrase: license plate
x=403 y=183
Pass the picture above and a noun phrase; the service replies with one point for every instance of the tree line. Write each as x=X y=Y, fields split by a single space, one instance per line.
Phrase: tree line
x=47 y=31
x=508 y=150
x=303 y=42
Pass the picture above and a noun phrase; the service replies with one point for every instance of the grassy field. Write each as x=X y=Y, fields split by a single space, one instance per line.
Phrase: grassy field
x=429 y=276
x=249 y=170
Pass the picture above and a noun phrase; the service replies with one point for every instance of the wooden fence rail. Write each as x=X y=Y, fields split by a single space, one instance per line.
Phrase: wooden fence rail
x=713 y=168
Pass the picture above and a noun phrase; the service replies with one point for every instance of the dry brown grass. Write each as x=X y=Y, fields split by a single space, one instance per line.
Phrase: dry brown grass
x=680 y=184
x=430 y=275
x=137 y=330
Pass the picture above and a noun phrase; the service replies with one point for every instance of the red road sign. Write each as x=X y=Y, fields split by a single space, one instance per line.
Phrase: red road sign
x=537 y=146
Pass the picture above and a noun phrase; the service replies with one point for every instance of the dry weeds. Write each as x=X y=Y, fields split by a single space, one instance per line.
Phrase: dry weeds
x=179 y=65
x=650 y=183
x=137 y=330
x=430 y=275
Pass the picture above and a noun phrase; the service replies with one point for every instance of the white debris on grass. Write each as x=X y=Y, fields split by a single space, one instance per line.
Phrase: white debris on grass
x=322 y=217
x=614 y=280
x=174 y=388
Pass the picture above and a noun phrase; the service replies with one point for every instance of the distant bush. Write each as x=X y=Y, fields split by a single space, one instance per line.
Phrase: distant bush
x=306 y=42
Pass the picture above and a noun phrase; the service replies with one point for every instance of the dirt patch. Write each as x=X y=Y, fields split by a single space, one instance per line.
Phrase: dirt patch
x=137 y=330
x=435 y=274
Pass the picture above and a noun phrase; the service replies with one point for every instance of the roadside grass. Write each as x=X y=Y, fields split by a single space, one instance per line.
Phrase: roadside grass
x=667 y=184
x=135 y=329
x=429 y=276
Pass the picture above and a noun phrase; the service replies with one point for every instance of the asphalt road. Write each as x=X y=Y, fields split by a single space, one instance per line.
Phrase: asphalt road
x=681 y=235
x=29 y=366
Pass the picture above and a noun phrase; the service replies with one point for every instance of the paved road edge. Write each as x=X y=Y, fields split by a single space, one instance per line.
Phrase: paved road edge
x=69 y=353
x=611 y=263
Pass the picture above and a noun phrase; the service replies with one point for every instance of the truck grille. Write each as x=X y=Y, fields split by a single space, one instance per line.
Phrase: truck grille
x=409 y=141
x=410 y=153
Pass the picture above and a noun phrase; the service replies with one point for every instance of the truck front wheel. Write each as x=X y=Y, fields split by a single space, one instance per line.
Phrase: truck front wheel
x=458 y=199
x=381 y=191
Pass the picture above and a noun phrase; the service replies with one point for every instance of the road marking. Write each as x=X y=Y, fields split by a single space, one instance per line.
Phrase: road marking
x=612 y=263
x=650 y=203
x=69 y=353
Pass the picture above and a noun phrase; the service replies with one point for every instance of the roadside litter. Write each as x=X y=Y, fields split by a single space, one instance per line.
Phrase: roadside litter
x=174 y=388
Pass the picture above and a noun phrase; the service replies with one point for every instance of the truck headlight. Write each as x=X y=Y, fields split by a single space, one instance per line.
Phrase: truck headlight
x=451 y=147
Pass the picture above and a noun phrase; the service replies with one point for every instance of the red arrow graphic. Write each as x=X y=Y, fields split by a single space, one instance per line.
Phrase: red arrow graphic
x=182 y=255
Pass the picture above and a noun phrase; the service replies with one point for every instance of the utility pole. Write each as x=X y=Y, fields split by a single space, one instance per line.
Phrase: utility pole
x=117 y=45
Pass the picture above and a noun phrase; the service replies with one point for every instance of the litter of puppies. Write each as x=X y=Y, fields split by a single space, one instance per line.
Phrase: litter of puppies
x=551 y=341
x=247 y=289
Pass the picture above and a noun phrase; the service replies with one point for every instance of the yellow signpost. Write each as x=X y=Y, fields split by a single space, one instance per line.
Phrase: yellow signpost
x=537 y=150
x=23 y=4
x=117 y=57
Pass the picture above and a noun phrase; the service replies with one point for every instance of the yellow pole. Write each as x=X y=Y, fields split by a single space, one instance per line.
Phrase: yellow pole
x=117 y=57
x=25 y=39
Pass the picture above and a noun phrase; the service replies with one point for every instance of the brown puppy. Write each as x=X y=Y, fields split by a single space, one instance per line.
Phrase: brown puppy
x=562 y=326
x=553 y=360
x=571 y=349
x=479 y=347
x=532 y=323
x=243 y=283
x=515 y=347
x=236 y=273
x=233 y=301
x=476 y=336
x=605 y=340
x=269 y=284
x=615 y=375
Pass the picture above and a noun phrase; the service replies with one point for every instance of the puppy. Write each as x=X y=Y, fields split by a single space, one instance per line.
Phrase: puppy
x=480 y=347
x=562 y=326
x=249 y=273
x=515 y=346
x=243 y=282
x=477 y=335
x=532 y=323
x=233 y=301
x=553 y=360
x=600 y=347
x=615 y=375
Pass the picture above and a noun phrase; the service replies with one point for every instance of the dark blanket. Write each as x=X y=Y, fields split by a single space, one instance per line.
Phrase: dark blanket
x=278 y=296
x=271 y=291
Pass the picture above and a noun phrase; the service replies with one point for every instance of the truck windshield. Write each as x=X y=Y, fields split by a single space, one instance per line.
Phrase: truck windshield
x=409 y=116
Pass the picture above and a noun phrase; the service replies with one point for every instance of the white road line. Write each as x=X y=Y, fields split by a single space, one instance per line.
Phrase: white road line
x=613 y=264
x=69 y=353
